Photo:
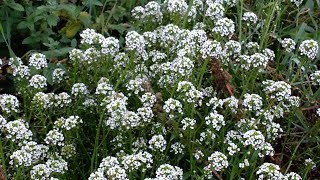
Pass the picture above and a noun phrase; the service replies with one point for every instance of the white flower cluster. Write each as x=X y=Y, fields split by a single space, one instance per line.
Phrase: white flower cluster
x=135 y=42
x=224 y=27
x=54 y=137
x=157 y=143
x=190 y=93
x=215 y=120
x=211 y=49
x=172 y=105
x=67 y=123
x=217 y=161
x=252 y=102
x=215 y=11
x=38 y=82
x=188 y=123
x=309 y=162
x=109 y=168
x=177 y=148
x=18 y=131
x=297 y=2
x=269 y=171
x=278 y=90
x=309 y=48
x=15 y=62
x=58 y=75
x=43 y=171
x=79 y=89
x=136 y=85
x=288 y=44
x=176 y=6
x=151 y=11
x=9 y=103
x=167 y=171
x=29 y=154
x=232 y=48
x=68 y=151
x=21 y=71
x=38 y=61
x=315 y=78
x=141 y=160
x=148 y=99
x=250 y=18
x=62 y=100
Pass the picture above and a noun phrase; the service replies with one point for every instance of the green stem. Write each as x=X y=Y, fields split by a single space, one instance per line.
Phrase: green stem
x=3 y=160
x=95 y=150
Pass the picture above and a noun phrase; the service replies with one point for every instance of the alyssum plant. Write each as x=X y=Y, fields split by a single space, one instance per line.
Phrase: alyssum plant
x=151 y=109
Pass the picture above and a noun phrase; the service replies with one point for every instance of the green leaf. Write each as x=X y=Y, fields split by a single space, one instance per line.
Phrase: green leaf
x=52 y=20
x=95 y=2
x=85 y=18
x=57 y=52
x=29 y=40
x=16 y=6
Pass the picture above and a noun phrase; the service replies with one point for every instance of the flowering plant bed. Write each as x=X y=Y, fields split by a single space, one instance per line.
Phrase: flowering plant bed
x=195 y=91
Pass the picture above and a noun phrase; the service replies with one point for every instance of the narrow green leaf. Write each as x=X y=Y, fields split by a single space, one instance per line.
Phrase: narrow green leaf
x=16 y=6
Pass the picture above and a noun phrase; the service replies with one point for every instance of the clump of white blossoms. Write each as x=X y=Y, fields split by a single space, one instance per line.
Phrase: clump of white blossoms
x=217 y=161
x=177 y=148
x=135 y=41
x=309 y=48
x=18 y=131
x=68 y=151
x=58 y=165
x=68 y=123
x=9 y=103
x=215 y=11
x=315 y=78
x=224 y=27
x=148 y=99
x=297 y=2
x=278 y=90
x=215 y=121
x=3 y=122
x=138 y=13
x=288 y=44
x=58 y=75
x=29 y=154
x=79 y=89
x=157 y=143
x=232 y=48
x=309 y=163
x=188 y=123
x=172 y=105
x=254 y=138
x=14 y=62
x=250 y=18
x=269 y=171
x=21 y=71
x=318 y=112
x=38 y=82
x=62 y=100
x=54 y=137
x=293 y=176
x=167 y=171
x=252 y=102
x=211 y=49
x=110 y=46
x=153 y=11
x=176 y=6
x=40 y=172
x=141 y=160
x=38 y=61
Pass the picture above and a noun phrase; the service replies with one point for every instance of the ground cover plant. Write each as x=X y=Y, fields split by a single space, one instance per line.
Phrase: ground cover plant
x=194 y=90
